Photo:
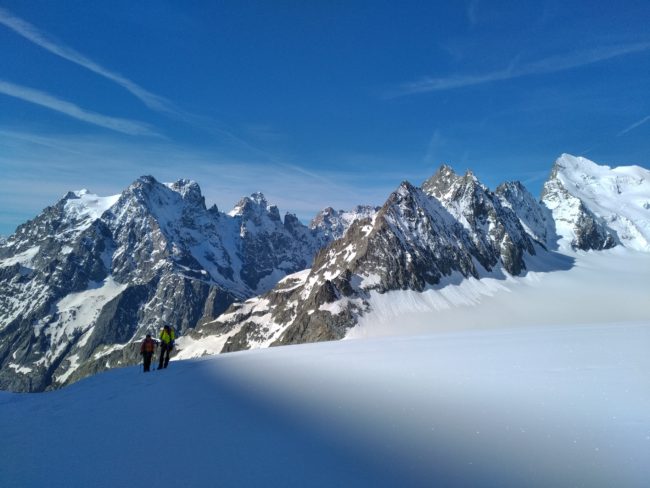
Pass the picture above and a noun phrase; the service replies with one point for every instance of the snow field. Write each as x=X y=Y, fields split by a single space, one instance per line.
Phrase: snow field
x=587 y=287
x=531 y=406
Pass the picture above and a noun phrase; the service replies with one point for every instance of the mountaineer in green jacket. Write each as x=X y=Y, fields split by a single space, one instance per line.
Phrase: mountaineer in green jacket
x=167 y=337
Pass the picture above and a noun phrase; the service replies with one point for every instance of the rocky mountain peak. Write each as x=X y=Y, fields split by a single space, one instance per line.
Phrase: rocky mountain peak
x=143 y=182
x=190 y=191
x=514 y=188
x=259 y=199
x=534 y=217
x=469 y=175
x=274 y=213
x=90 y=275
x=441 y=181
x=255 y=205
x=141 y=190
x=446 y=185
x=75 y=194
x=291 y=222
x=404 y=190
x=327 y=215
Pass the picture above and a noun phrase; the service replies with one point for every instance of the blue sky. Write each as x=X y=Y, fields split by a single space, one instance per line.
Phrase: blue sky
x=312 y=103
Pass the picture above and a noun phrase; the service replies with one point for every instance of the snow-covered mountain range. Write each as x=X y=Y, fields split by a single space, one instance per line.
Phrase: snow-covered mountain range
x=84 y=281
x=90 y=275
x=451 y=228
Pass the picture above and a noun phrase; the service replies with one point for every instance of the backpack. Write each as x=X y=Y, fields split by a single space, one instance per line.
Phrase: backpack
x=171 y=336
x=148 y=345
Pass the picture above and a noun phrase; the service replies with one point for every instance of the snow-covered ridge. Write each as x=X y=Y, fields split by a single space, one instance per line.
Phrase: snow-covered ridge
x=413 y=241
x=84 y=280
x=611 y=200
x=446 y=246
x=96 y=273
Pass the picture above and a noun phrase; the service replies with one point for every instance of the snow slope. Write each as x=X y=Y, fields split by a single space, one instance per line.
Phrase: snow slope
x=585 y=287
x=76 y=315
x=560 y=288
x=539 y=406
x=540 y=380
x=86 y=207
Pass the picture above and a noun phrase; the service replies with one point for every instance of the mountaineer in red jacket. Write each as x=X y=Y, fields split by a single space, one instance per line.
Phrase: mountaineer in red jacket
x=146 y=349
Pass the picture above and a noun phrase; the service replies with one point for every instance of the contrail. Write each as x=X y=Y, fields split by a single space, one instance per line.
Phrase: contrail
x=551 y=64
x=634 y=126
x=31 y=33
x=46 y=100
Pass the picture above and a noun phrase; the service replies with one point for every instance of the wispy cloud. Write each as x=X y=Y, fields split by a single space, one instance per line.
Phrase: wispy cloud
x=46 y=100
x=634 y=125
x=551 y=64
x=33 y=34
x=37 y=169
x=151 y=100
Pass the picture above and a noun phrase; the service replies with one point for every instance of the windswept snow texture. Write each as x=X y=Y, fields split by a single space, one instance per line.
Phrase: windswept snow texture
x=535 y=407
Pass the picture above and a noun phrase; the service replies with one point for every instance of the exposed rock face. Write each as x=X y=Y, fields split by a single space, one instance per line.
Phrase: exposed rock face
x=493 y=227
x=331 y=224
x=536 y=219
x=453 y=225
x=83 y=282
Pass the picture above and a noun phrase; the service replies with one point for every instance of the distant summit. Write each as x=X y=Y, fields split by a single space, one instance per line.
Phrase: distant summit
x=598 y=207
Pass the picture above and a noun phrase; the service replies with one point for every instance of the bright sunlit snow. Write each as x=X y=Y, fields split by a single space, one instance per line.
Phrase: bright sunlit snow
x=541 y=406
x=619 y=196
x=534 y=381
x=586 y=287
x=88 y=207
x=24 y=258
